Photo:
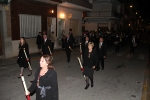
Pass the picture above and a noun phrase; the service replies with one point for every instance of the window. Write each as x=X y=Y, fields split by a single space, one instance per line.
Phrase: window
x=30 y=25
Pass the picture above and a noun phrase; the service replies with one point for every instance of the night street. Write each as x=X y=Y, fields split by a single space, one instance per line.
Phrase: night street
x=122 y=78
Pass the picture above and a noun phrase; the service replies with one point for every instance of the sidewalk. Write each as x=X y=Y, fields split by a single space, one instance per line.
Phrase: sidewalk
x=33 y=56
x=146 y=82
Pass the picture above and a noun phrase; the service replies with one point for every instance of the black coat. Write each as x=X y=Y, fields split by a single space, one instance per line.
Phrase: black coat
x=49 y=81
x=39 y=40
x=68 y=43
x=84 y=47
x=101 y=51
x=89 y=62
x=22 y=61
x=45 y=46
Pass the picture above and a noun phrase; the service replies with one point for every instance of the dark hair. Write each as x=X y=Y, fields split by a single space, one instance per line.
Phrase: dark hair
x=48 y=60
x=70 y=29
x=24 y=40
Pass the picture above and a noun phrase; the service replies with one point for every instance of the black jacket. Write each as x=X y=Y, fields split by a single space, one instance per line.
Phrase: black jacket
x=39 y=40
x=84 y=47
x=101 y=51
x=92 y=61
x=68 y=43
x=22 y=61
x=49 y=82
x=45 y=45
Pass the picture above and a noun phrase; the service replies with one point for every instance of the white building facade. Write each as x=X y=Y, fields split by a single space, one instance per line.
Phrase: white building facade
x=105 y=15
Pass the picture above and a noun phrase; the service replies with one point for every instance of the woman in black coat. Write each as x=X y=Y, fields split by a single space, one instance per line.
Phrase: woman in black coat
x=89 y=63
x=45 y=82
x=22 y=60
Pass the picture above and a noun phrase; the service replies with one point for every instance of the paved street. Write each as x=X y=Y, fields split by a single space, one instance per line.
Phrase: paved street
x=122 y=78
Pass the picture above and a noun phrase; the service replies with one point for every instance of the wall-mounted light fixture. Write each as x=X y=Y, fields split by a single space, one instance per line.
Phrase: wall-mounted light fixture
x=62 y=15
x=52 y=11
x=136 y=13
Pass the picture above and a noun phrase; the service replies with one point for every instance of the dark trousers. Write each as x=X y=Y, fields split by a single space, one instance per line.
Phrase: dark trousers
x=52 y=48
x=132 y=49
x=68 y=54
x=117 y=48
x=100 y=63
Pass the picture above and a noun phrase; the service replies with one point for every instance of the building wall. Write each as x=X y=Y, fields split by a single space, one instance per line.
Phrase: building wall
x=32 y=46
x=5 y=31
x=91 y=26
x=102 y=6
x=68 y=14
x=31 y=8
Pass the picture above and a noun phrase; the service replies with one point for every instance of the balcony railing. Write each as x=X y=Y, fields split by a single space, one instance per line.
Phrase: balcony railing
x=82 y=3
x=104 y=14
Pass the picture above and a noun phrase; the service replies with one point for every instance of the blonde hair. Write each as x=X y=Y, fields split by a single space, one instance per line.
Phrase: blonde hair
x=91 y=44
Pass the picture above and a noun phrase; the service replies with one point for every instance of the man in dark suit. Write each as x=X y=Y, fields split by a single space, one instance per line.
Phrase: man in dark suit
x=72 y=40
x=45 y=44
x=39 y=40
x=102 y=51
x=67 y=49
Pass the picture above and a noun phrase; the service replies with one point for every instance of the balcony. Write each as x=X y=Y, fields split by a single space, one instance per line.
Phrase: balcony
x=77 y=4
x=104 y=14
x=110 y=1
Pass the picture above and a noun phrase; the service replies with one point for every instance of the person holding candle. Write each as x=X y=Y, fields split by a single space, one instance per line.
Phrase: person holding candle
x=46 y=44
x=22 y=60
x=89 y=63
x=45 y=83
x=68 y=47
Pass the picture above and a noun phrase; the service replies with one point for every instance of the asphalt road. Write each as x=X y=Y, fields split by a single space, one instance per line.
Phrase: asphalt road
x=122 y=78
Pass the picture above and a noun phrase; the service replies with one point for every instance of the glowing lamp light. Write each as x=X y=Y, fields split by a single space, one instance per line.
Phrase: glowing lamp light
x=52 y=11
x=128 y=24
x=130 y=6
x=136 y=12
x=62 y=15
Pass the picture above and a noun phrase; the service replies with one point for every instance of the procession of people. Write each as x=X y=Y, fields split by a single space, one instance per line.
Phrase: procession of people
x=93 y=52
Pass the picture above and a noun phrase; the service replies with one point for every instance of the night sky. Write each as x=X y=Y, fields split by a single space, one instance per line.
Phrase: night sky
x=144 y=8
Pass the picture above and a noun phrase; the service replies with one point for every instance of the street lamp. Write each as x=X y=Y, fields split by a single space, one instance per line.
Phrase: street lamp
x=130 y=6
x=136 y=12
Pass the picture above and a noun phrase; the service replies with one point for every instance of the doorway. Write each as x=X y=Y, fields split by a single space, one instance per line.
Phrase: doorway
x=74 y=26
x=51 y=26
x=60 y=28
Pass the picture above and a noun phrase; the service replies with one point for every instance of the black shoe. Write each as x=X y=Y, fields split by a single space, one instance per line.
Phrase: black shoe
x=30 y=73
x=91 y=84
x=97 y=69
x=102 y=68
x=87 y=86
x=20 y=76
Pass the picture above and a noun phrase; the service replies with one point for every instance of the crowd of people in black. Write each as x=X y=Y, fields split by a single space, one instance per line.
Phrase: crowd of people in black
x=94 y=51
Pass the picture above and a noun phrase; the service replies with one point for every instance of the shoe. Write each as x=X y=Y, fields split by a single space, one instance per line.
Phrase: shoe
x=97 y=69
x=102 y=68
x=91 y=84
x=20 y=76
x=30 y=73
x=87 y=86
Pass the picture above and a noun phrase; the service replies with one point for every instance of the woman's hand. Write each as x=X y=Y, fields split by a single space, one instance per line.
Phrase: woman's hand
x=27 y=59
x=93 y=67
x=27 y=93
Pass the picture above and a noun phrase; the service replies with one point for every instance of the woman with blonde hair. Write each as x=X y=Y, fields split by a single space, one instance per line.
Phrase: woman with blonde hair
x=45 y=82
x=89 y=63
